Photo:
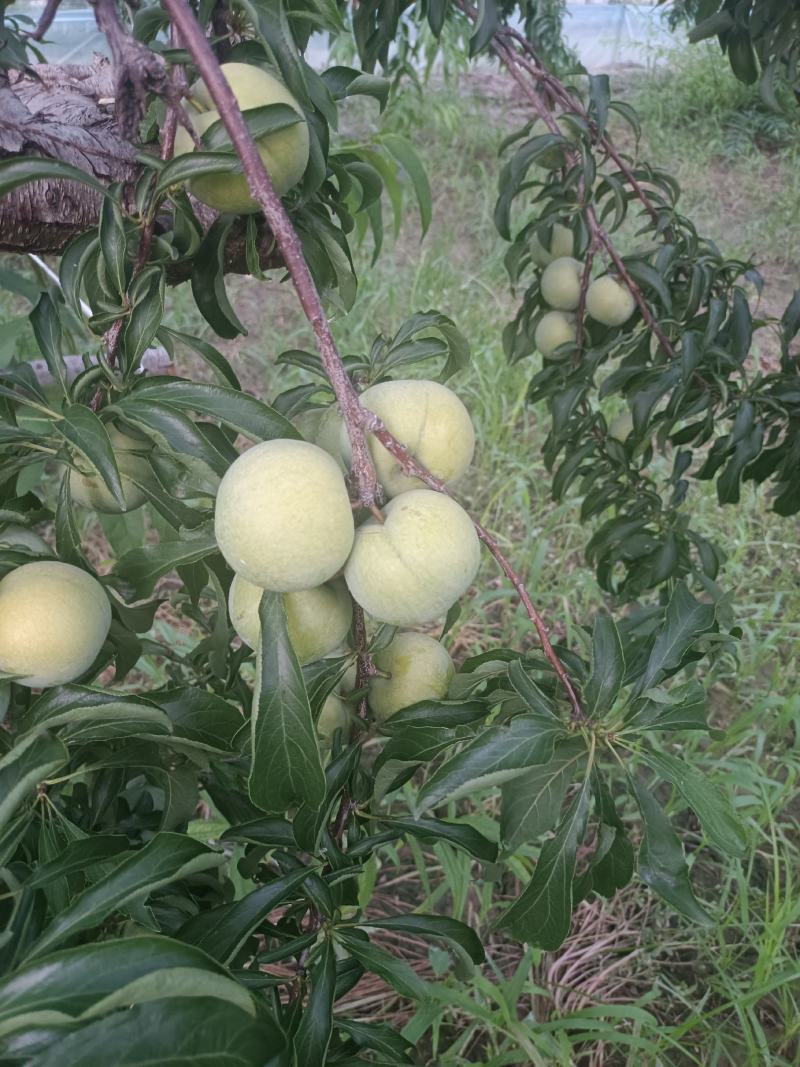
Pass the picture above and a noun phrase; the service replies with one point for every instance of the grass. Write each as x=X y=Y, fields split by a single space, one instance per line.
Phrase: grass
x=633 y=985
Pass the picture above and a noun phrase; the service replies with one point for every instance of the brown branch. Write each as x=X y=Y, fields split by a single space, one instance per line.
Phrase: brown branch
x=585 y=278
x=138 y=70
x=45 y=20
x=285 y=236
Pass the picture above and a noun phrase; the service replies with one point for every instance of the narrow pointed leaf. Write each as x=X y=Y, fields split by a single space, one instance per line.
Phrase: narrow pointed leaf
x=661 y=863
x=608 y=667
x=27 y=764
x=163 y=860
x=541 y=916
x=316 y=1025
x=710 y=804
x=495 y=756
x=222 y=931
x=286 y=766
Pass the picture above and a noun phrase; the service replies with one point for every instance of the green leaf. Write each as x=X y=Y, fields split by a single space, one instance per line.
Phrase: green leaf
x=608 y=667
x=316 y=1024
x=260 y=121
x=84 y=430
x=202 y=717
x=74 y=979
x=179 y=1032
x=208 y=281
x=221 y=932
x=78 y=856
x=176 y=432
x=528 y=691
x=174 y=982
x=381 y=1038
x=532 y=802
x=272 y=833
x=26 y=765
x=404 y=153
x=710 y=804
x=541 y=916
x=242 y=412
x=113 y=243
x=195 y=165
x=212 y=356
x=392 y=970
x=23 y=169
x=286 y=767
x=497 y=755
x=142 y=567
x=460 y=835
x=165 y=859
x=433 y=927
x=486 y=24
x=145 y=319
x=47 y=330
x=686 y=619
x=661 y=863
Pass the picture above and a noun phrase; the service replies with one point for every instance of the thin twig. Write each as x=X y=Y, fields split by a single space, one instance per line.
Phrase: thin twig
x=45 y=20
x=585 y=278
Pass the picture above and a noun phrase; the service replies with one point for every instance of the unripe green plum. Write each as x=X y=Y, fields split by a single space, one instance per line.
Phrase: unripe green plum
x=561 y=244
x=87 y=488
x=23 y=537
x=334 y=715
x=283 y=518
x=621 y=427
x=609 y=301
x=412 y=567
x=426 y=417
x=555 y=328
x=561 y=283
x=419 y=669
x=323 y=427
x=284 y=152
x=54 y=619
x=317 y=619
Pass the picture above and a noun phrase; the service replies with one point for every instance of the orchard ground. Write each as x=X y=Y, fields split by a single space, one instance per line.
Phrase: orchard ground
x=662 y=988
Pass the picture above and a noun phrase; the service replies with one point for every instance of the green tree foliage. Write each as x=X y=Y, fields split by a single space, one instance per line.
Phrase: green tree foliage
x=114 y=895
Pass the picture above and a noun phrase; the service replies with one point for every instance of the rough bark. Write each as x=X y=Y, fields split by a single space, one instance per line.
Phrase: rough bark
x=66 y=112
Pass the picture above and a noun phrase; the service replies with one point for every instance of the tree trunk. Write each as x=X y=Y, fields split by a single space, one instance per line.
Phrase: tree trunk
x=66 y=112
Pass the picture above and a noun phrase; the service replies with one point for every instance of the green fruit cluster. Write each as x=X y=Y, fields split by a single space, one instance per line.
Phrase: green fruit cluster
x=284 y=522
x=608 y=301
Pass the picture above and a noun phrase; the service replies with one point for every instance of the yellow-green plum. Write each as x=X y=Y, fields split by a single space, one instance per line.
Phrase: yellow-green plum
x=621 y=427
x=419 y=669
x=561 y=244
x=23 y=537
x=555 y=328
x=284 y=152
x=54 y=619
x=609 y=301
x=561 y=283
x=334 y=715
x=283 y=518
x=317 y=619
x=87 y=488
x=430 y=420
x=412 y=567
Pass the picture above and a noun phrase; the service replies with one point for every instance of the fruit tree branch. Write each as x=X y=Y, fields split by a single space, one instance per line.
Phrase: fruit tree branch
x=358 y=420
x=45 y=20
x=285 y=236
